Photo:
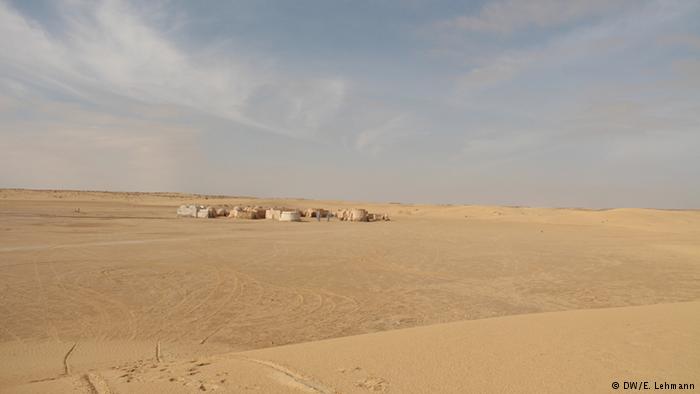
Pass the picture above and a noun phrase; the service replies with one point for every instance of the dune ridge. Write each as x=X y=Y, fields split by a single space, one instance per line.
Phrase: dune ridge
x=574 y=351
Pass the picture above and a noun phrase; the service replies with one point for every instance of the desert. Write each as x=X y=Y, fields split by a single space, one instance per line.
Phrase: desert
x=349 y=197
x=112 y=292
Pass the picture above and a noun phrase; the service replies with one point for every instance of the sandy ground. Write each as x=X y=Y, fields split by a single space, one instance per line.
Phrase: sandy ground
x=125 y=297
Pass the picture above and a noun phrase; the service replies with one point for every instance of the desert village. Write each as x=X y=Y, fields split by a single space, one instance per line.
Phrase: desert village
x=277 y=213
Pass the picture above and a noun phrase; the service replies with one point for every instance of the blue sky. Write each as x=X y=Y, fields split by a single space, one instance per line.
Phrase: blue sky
x=541 y=103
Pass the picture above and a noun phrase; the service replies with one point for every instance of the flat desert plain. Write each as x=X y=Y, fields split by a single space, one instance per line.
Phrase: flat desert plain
x=112 y=293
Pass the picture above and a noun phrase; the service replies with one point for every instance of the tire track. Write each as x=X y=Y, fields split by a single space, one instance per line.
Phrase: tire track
x=66 y=365
x=110 y=243
x=234 y=293
x=181 y=304
x=50 y=328
x=158 y=355
x=203 y=303
x=298 y=378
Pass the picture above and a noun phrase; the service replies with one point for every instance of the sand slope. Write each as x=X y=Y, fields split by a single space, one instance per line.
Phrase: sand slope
x=573 y=351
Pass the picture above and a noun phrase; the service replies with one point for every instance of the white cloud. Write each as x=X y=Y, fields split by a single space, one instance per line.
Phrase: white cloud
x=500 y=70
x=285 y=107
x=594 y=43
x=109 y=47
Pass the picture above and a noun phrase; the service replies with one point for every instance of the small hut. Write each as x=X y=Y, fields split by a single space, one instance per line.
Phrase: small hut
x=290 y=216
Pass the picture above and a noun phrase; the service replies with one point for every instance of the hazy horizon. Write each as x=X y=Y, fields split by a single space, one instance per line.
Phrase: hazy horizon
x=592 y=104
x=409 y=203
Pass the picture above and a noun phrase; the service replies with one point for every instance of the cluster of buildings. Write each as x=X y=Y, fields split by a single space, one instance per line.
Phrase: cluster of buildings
x=280 y=214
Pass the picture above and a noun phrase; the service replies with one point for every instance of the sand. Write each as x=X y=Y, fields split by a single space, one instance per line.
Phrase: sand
x=440 y=299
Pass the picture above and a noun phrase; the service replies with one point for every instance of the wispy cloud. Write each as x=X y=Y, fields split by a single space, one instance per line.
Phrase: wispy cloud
x=589 y=44
x=375 y=139
x=515 y=96
x=507 y=16
x=110 y=48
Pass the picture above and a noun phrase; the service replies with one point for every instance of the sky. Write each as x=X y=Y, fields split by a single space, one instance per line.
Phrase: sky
x=578 y=103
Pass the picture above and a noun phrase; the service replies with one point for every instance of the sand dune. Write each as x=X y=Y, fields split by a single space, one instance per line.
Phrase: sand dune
x=574 y=351
x=123 y=283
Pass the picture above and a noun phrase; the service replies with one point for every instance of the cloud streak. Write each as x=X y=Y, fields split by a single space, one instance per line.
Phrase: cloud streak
x=110 y=49
x=508 y=16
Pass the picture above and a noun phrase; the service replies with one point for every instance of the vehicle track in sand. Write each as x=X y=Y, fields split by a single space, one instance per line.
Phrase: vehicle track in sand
x=66 y=364
x=308 y=383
